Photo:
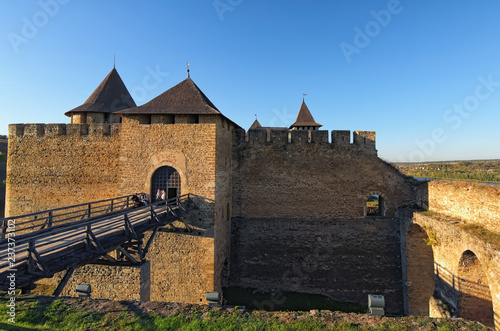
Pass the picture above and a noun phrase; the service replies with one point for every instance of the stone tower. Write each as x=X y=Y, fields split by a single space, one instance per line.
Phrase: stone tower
x=304 y=120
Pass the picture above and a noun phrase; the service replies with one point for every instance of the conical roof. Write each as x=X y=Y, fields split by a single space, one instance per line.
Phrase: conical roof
x=111 y=95
x=183 y=98
x=304 y=117
x=255 y=125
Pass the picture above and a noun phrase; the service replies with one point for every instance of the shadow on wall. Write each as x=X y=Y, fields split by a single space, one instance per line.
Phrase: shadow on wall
x=278 y=300
x=463 y=293
x=466 y=295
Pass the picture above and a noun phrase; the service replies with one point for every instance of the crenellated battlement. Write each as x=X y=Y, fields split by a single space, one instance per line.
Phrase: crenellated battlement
x=51 y=130
x=364 y=140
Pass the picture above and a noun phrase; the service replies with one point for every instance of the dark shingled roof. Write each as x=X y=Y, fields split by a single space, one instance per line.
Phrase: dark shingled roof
x=304 y=118
x=184 y=98
x=111 y=95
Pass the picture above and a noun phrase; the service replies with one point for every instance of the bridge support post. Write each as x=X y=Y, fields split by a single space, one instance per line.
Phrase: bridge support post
x=63 y=282
x=51 y=217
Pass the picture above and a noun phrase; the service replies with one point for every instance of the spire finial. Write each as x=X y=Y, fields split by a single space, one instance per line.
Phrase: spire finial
x=188 y=69
x=114 y=61
x=303 y=96
x=255 y=116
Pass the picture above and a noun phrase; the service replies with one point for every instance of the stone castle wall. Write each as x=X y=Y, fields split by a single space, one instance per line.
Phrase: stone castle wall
x=465 y=265
x=312 y=179
x=3 y=174
x=223 y=200
x=189 y=148
x=182 y=267
x=344 y=259
x=108 y=282
x=457 y=280
x=297 y=204
x=472 y=202
x=56 y=165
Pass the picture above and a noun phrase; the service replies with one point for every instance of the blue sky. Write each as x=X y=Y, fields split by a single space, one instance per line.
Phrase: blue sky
x=424 y=75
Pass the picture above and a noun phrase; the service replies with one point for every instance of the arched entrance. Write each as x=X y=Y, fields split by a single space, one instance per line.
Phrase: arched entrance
x=168 y=179
x=474 y=300
x=420 y=271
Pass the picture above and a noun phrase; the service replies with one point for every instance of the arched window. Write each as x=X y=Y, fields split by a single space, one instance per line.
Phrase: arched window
x=375 y=205
x=168 y=179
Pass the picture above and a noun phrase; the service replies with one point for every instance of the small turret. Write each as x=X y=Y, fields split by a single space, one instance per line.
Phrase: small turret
x=255 y=125
x=304 y=120
x=110 y=96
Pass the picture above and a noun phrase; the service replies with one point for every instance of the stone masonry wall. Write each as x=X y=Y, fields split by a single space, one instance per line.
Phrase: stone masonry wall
x=473 y=202
x=108 y=282
x=317 y=179
x=223 y=200
x=3 y=174
x=419 y=275
x=345 y=259
x=452 y=244
x=182 y=267
x=180 y=270
x=56 y=165
x=189 y=148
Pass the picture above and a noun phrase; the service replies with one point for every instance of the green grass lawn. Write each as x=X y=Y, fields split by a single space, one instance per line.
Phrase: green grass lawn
x=32 y=314
x=46 y=313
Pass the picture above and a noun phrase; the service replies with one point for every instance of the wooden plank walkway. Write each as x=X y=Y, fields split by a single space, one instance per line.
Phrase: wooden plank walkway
x=42 y=253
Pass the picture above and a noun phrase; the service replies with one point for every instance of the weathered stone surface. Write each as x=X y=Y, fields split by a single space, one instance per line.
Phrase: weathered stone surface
x=343 y=259
x=182 y=267
x=456 y=280
x=108 y=282
x=474 y=202
x=308 y=180
x=300 y=208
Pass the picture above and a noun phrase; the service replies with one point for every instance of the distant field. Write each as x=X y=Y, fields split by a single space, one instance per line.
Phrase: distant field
x=482 y=171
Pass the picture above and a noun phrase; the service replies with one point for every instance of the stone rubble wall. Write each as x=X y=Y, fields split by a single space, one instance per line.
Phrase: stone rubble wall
x=56 y=165
x=472 y=202
x=107 y=282
x=182 y=267
x=315 y=179
x=344 y=259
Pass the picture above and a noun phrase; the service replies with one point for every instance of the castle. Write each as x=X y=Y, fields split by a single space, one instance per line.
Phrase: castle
x=284 y=209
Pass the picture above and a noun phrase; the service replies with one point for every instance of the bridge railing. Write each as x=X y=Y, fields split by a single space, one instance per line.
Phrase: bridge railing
x=37 y=253
x=48 y=218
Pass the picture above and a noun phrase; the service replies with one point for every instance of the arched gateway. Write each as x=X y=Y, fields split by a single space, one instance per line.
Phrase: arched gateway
x=475 y=302
x=168 y=179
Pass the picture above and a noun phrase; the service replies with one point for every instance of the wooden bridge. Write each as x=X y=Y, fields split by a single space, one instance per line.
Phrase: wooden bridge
x=41 y=244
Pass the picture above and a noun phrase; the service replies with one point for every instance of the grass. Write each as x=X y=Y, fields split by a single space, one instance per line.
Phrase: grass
x=33 y=314
x=432 y=239
x=45 y=313
x=482 y=233
x=474 y=229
